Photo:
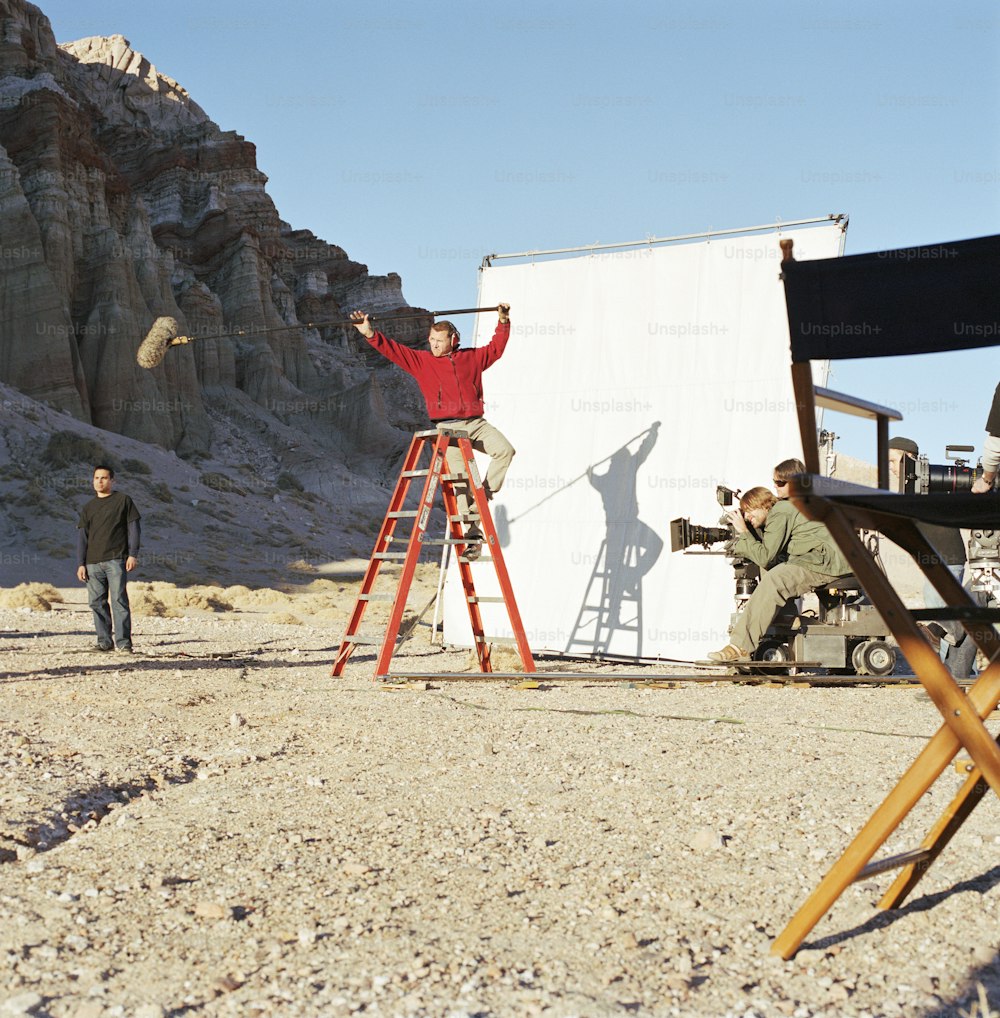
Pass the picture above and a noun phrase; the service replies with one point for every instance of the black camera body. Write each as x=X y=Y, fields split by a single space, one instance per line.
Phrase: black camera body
x=844 y=634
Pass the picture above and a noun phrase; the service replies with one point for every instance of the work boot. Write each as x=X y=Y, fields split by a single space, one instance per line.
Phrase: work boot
x=729 y=654
x=474 y=543
x=933 y=632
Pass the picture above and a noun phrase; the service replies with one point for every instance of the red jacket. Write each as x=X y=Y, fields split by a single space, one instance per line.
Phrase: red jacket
x=452 y=386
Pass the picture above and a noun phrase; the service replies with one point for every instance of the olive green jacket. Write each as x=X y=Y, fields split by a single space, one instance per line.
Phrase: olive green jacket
x=803 y=541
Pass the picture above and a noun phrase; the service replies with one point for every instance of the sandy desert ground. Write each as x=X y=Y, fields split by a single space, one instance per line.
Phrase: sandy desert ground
x=215 y=826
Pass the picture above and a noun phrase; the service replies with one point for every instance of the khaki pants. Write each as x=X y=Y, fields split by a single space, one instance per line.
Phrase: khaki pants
x=486 y=439
x=776 y=586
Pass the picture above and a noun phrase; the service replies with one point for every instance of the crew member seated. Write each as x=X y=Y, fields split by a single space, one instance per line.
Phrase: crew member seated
x=808 y=556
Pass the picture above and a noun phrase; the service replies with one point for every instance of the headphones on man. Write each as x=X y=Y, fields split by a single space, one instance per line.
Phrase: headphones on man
x=452 y=331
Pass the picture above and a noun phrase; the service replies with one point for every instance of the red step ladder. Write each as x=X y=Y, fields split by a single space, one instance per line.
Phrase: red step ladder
x=435 y=476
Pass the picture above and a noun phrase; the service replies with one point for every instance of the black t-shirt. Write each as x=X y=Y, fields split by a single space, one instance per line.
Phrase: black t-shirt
x=105 y=522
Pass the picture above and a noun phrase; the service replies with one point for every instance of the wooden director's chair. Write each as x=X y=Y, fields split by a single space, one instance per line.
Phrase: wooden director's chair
x=918 y=300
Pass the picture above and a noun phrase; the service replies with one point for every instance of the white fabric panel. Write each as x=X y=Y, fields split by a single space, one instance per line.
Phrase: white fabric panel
x=665 y=371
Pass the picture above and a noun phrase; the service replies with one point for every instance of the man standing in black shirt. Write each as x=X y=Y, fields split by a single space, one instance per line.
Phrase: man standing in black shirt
x=107 y=545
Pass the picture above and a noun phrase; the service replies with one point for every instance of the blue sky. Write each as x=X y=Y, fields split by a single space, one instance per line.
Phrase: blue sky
x=420 y=137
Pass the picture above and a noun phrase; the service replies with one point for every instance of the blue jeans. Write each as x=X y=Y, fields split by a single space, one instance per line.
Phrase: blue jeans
x=106 y=581
x=959 y=656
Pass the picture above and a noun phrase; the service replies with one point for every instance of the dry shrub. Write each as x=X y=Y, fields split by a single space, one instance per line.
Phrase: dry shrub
x=66 y=449
x=47 y=591
x=206 y=599
x=322 y=586
x=313 y=604
x=284 y=619
x=144 y=602
x=505 y=659
x=265 y=597
x=301 y=566
x=502 y=659
x=333 y=616
x=176 y=600
x=39 y=597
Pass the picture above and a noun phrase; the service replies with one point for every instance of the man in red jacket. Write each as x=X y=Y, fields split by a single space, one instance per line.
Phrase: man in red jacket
x=451 y=381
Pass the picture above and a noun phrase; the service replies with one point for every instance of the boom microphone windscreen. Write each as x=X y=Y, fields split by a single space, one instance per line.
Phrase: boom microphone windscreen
x=158 y=340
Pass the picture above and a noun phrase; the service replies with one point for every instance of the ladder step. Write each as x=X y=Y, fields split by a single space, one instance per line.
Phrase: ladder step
x=363 y=640
x=376 y=597
x=476 y=599
x=402 y=514
x=413 y=473
x=386 y=555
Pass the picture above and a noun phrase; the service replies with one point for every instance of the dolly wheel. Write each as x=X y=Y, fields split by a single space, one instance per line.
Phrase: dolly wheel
x=770 y=651
x=873 y=657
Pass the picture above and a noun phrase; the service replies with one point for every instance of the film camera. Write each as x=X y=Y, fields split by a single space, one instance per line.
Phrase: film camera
x=982 y=570
x=683 y=533
x=843 y=633
x=922 y=477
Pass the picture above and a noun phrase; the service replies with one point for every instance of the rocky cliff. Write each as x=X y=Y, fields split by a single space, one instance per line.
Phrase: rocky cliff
x=120 y=201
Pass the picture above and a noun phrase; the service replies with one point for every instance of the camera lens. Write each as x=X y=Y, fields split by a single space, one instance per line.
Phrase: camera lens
x=946 y=479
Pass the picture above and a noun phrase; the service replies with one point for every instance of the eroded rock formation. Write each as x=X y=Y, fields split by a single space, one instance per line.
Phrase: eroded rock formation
x=120 y=201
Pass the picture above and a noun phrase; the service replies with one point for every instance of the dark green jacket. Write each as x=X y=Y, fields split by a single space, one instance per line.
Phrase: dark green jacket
x=805 y=542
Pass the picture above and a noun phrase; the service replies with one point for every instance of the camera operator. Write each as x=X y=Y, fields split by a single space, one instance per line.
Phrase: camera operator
x=946 y=637
x=778 y=529
x=991 y=449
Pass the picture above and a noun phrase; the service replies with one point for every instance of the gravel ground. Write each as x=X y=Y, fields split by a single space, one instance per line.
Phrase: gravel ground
x=215 y=826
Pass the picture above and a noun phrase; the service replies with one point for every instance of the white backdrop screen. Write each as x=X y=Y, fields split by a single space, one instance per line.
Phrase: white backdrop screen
x=634 y=383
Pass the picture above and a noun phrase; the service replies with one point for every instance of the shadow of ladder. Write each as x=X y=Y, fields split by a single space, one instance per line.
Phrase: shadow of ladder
x=599 y=613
